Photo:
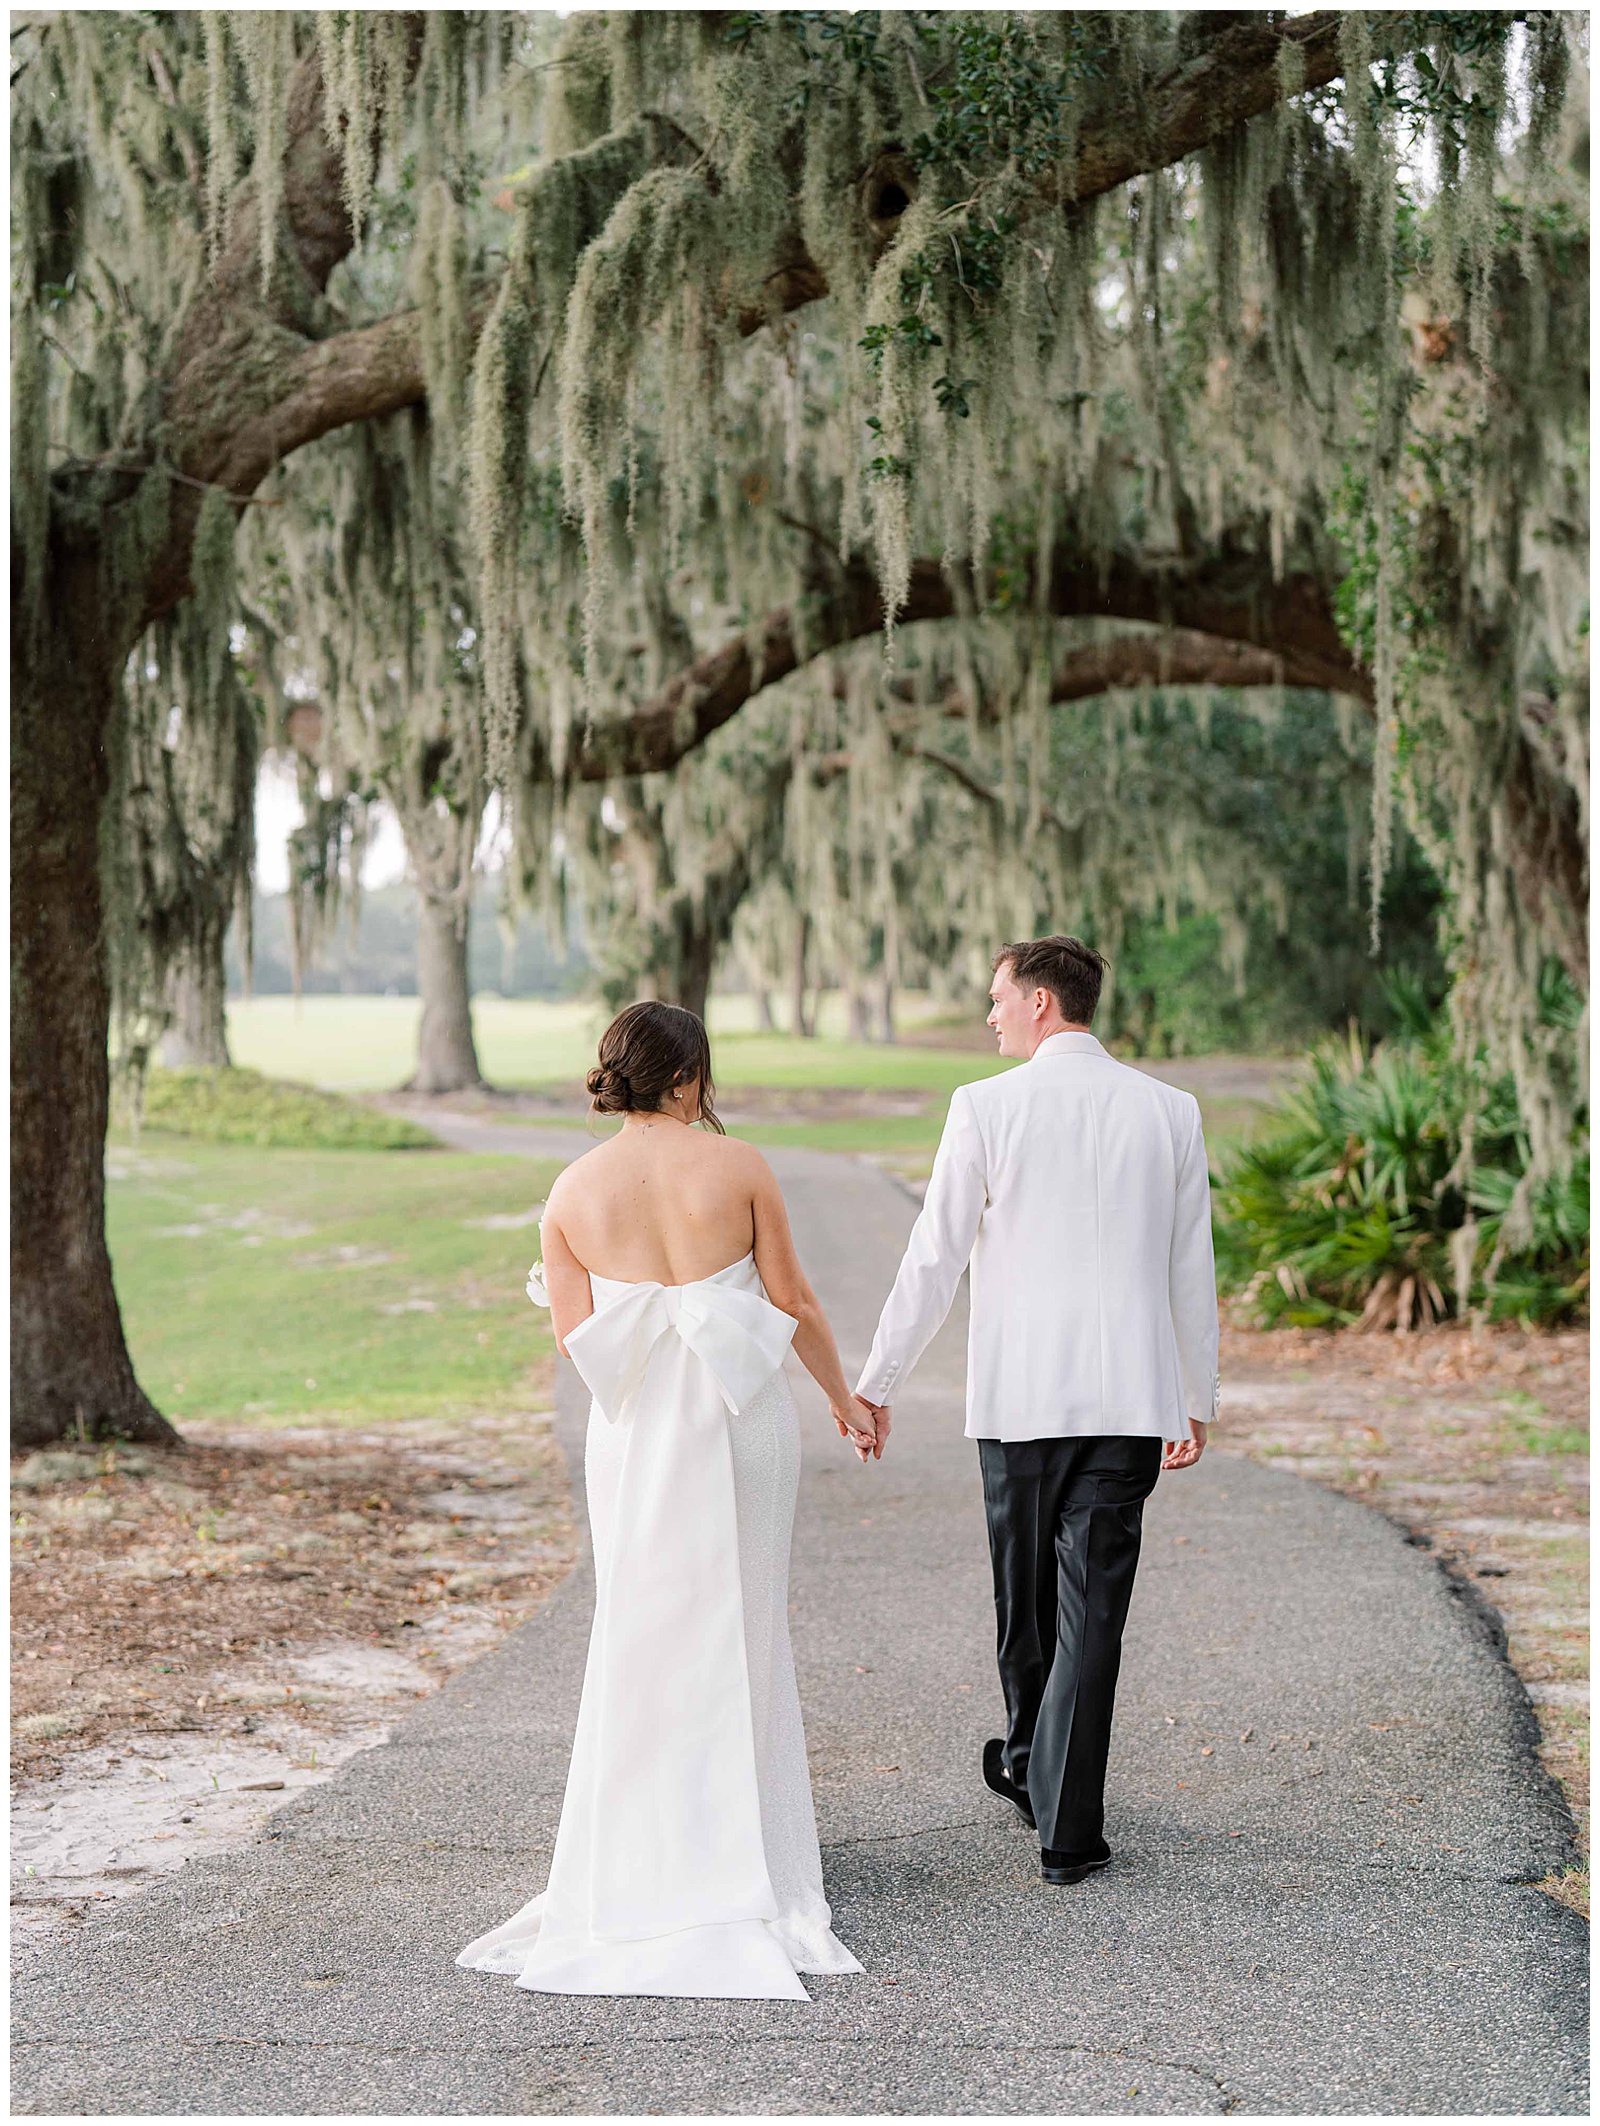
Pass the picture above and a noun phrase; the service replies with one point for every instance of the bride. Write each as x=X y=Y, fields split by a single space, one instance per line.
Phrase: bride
x=686 y=1862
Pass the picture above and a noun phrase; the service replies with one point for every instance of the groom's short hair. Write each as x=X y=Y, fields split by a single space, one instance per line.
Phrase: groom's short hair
x=1071 y=970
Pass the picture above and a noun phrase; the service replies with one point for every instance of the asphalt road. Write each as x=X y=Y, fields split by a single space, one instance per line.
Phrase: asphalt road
x=1324 y=1801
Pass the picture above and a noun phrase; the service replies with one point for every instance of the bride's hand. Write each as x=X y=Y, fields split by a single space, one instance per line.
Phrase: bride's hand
x=849 y=1416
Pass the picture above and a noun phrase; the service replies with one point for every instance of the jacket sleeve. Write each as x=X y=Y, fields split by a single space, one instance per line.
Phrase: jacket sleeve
x=1192 y=1280
x=938 y=1251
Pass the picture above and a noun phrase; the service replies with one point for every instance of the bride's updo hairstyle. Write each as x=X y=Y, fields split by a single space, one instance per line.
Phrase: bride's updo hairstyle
x=646 y=1052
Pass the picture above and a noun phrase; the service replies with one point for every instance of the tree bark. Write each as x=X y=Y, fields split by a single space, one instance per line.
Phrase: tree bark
x=71 y=1375
x=447 y=1056
x=860 y=1026
x=797 y=977
x=886 y=1009
x=197 y=1038
x=1548 y=853
x=698 y=955
x=234 y=359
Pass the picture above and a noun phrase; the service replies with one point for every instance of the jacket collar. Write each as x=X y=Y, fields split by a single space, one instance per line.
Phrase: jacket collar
x=1067 y=1044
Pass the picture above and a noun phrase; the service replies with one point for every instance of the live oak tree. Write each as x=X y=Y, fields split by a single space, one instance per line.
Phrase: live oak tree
x=1162 y=273
x=1299 y=372
x=173 y=339
x=364 y=572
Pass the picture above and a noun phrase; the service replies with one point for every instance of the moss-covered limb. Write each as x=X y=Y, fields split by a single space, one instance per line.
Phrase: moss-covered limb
x=1152 y=657
x=248 y=373
x=1235 y=75
x=1280 y=633
x=314 y=230
x=304 y=392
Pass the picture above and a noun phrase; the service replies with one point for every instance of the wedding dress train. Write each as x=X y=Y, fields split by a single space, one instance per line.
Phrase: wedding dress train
x=686 y=1862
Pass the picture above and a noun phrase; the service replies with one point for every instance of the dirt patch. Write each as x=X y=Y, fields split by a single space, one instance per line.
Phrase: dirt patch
x=196 y=1634
x=1475 y=1442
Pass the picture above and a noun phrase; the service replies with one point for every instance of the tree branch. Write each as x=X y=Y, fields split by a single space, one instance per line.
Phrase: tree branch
x=1230 y=80
x=241 y=353
x=1258 y=632
x=249 y=382
x=359 y=375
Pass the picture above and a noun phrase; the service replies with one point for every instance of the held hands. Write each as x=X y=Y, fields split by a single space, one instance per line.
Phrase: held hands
x=1184 y=1453
x=864 y=1424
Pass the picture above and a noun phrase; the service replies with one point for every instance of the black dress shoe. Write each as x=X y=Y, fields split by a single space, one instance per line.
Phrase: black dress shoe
x=996 y=1780
x=1073 y=1867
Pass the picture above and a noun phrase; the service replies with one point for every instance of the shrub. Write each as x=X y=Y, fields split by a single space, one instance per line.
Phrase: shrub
x=1361 y=1208
x=242 y=1107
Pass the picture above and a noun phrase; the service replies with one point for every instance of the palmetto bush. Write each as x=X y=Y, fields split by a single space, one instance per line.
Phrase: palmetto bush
x=1359 y=1206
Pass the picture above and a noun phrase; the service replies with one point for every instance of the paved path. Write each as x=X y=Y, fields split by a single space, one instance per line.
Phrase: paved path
x=1323 y=1798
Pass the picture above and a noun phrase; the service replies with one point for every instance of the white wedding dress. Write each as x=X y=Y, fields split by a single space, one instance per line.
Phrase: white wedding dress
x=686 y=1862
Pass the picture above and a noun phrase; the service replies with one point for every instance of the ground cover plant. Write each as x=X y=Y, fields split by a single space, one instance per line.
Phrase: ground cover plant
x=233 y=1106
x=1398 y=1189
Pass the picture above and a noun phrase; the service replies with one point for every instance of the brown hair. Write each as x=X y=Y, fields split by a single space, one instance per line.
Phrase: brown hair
x=647 y=1051
x=1071 y=970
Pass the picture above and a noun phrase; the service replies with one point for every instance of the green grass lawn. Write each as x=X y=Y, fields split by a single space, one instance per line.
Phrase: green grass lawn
x=368 y=1044
x=329 y=1286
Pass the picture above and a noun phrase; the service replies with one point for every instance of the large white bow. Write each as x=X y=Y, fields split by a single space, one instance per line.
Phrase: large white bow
x=740 y=1336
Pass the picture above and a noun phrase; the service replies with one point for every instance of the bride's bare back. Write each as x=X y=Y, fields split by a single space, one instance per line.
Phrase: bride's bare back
x=665 y=1203
x=660 y=1203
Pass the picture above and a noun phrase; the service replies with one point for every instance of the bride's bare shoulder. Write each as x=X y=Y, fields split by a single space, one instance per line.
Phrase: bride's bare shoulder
x=737 y=1165
x=578 y=1172
x=732 y=1152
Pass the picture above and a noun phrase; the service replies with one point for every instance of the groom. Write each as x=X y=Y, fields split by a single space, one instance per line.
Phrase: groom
x=1077 y=1188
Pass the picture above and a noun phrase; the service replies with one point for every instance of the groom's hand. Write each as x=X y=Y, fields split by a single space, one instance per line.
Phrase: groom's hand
x=879 y=1413
x=855 y=1424
x=1184 y=1453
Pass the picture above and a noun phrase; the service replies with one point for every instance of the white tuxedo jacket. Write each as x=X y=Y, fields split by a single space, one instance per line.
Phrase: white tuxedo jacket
x=1078 y=1190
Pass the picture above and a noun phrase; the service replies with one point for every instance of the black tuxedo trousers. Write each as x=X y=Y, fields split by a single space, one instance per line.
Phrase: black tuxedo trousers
x=1065 y=1520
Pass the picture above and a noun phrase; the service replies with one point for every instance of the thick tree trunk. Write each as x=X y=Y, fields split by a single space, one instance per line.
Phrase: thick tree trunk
x=71 y=1375
x=856 y=1009
x=686 y=945
x=694 y=982
x=197 y=1039
x=797 y=977
x=886 y=1009
x=755 y=977
x=447 y=1057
